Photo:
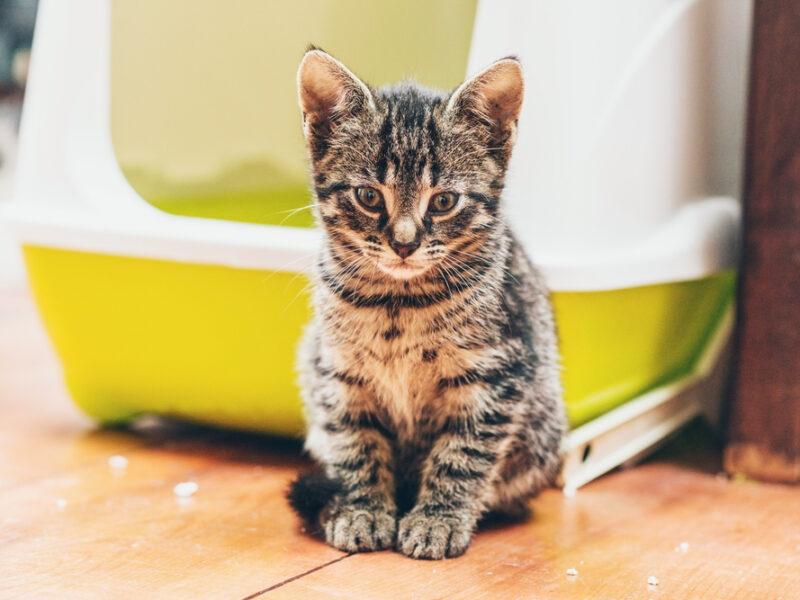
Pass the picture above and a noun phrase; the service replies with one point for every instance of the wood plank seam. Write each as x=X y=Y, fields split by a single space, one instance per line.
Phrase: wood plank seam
x=296 y=577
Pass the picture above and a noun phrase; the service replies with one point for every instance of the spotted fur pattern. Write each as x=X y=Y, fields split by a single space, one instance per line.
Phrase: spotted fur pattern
x=430 y=381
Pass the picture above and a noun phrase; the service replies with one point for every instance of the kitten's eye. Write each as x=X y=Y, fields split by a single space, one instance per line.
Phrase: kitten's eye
x=369 y=198
x=442 y=203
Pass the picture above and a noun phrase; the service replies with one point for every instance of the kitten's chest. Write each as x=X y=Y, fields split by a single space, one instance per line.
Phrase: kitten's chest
x=394 y=352
x=399 y=359
x=405 y=389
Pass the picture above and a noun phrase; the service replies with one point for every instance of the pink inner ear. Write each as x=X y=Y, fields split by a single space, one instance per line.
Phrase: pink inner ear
x=321 y=88
x=326 y=87
x=500 y=89
x=495 y=93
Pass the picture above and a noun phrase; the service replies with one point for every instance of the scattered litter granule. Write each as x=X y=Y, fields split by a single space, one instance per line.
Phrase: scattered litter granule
x=683 y=547
x=572 y=572
x=61 y=503
x=652 y=581
x=569 y=491
x=117 y=462
x=185 y=489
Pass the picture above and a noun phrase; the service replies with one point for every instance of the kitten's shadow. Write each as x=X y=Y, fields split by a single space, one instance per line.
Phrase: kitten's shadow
x=501 y=520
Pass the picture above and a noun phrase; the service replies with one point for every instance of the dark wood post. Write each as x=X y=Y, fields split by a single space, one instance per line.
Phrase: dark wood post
x=764 y=425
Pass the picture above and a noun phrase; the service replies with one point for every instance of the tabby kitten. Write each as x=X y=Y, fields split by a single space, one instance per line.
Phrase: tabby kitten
x=430 y=372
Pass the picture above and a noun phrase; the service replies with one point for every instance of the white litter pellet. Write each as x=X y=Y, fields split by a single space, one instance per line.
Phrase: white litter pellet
x=652 y=581
x=572 y=572
x=683 y=547
x=185 y=489
x=569 y=491
x=61 y=503
x=117 y=462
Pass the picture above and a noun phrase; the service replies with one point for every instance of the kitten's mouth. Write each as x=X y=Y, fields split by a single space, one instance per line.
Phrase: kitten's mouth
x=402 y=269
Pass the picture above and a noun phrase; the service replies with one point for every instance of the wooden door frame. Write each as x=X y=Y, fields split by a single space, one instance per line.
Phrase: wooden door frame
x=764 y=421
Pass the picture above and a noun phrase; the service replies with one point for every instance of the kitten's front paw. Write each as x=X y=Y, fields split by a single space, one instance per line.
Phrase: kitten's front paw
x=421 y=536
x=360 y=530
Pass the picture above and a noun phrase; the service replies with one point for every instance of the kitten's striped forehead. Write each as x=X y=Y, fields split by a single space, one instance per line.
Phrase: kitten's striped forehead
x=409 y=143
x=409 y=136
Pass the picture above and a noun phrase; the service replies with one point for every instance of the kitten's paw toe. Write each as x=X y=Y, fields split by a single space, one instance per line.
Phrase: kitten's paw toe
x=359 y=530
x=421 y=536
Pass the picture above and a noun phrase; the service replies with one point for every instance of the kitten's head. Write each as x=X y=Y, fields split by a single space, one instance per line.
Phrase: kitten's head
x=408 y=179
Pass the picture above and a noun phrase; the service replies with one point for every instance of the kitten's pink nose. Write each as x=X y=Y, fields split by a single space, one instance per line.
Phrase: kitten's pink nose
x=404 y=250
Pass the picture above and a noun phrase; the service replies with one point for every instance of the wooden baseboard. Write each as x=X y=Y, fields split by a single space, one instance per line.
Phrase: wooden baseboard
x=758 y=462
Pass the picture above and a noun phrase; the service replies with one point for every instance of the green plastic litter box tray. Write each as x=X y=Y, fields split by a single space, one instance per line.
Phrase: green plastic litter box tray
x=216 y=344
x=163 y=213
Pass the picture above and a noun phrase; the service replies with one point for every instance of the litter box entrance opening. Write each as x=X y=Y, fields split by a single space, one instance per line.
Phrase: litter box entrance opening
x=204 y=115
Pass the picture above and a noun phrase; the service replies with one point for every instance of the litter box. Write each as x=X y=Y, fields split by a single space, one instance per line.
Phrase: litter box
x=161 y=188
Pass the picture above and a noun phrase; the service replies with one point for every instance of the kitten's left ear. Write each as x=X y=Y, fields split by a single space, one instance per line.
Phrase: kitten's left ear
x=493 y=97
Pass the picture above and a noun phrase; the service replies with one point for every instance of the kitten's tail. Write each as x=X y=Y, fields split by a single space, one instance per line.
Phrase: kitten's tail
x=310 y=493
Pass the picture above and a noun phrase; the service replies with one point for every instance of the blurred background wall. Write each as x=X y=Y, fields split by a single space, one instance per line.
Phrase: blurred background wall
x=16 y=33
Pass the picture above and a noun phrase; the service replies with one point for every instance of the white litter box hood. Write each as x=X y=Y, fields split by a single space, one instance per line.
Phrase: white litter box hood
x=633 y=119
x=613 y=183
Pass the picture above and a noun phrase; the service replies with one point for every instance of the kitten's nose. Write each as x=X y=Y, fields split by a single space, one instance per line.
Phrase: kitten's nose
x=404 y=237
x=404 y=250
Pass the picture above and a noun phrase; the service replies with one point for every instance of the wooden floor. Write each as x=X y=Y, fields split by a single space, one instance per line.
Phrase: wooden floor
x=73 y=527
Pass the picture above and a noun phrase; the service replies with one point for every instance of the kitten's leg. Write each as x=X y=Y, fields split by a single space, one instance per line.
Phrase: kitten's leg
x=456 y=478
x=530 y=463
x=357 y=452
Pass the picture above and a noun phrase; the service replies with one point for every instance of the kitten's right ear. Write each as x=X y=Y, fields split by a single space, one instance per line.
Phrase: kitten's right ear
x=328 y=93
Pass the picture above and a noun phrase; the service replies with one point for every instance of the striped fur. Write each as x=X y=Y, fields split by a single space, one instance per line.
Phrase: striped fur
x=430 y=381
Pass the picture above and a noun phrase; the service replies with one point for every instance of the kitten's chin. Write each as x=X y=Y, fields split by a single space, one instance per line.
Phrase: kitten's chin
x=402 y=271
